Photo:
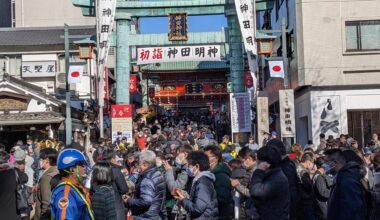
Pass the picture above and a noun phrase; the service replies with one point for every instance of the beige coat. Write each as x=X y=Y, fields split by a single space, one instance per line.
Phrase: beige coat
x=44 y=194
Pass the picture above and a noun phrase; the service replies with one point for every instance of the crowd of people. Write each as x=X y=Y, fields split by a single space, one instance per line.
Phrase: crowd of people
x=184 y=167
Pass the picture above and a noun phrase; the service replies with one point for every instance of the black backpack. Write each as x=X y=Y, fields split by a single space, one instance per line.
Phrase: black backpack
x=22 y=196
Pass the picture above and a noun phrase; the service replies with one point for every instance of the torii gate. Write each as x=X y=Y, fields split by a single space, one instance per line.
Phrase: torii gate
x=125 y=10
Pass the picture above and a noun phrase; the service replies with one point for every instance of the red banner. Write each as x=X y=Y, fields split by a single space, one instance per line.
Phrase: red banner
x=132 y=83
x=248 y=79
x=121 y=111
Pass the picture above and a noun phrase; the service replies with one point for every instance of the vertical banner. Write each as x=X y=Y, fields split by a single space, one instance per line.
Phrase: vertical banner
x=245 y=13
x=132 y=83
x=106 y=93
x=262 y=118
x=122 y=122
x=105 y=18
x=240 y=112
x=287 y=113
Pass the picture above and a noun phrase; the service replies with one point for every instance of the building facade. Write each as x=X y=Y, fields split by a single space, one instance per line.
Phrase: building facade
x=33 y=86
x=42 y=13
x=333 y=53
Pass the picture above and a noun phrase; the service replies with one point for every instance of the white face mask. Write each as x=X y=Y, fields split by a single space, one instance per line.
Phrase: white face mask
x=158 y=163
x=41 y=163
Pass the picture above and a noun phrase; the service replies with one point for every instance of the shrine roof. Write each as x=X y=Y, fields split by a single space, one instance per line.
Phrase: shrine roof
x=31 y=118
x=187 y=66
x=40 y=35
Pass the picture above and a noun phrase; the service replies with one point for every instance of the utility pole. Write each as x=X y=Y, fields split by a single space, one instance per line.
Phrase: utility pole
x=68 y=124
x=284 y=52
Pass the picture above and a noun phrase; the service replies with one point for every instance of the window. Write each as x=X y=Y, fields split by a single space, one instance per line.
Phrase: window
x=362 y=35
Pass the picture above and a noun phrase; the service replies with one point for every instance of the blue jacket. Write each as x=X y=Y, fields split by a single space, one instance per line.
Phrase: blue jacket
x=73 y=204
x=149 y=198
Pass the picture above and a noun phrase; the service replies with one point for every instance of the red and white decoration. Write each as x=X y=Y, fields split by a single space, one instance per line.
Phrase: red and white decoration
x=75 y=74
x=276 y=69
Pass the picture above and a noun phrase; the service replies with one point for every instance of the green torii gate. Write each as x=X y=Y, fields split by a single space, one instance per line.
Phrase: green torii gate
x=125 y=10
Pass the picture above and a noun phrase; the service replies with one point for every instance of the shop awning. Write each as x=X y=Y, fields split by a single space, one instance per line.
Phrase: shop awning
x=31 y=118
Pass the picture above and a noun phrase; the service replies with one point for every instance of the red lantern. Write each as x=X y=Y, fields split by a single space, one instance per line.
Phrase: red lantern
x=151 y=92
x=248 y=79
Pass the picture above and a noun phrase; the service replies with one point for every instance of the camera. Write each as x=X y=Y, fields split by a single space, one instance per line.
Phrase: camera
x=170 y=159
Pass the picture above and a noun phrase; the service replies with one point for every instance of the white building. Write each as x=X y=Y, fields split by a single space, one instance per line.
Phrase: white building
x=334 y=66
x=33 y=86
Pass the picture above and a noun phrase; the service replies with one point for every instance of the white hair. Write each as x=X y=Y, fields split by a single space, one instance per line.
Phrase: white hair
x=147 y=156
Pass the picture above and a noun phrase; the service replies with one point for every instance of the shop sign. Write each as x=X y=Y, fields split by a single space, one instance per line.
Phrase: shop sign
x=240 y=112
x=149 y=55
x=122 y=122
x=38 y=68
x=13 y=104
x=287 y=114
x=178 y=26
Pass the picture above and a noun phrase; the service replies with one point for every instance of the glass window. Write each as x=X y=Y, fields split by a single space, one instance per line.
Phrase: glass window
x=362 y=35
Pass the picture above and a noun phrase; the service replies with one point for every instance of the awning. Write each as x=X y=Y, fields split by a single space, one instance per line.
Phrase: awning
x=31 y=118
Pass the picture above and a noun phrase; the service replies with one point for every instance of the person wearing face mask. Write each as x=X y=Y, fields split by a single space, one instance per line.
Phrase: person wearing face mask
x=203 y=202
x=48 y=163
x=177 y=178
x=322 y=184
x=119 y=184
x=70 y=199
x=347 y=197
x=149 y=198
x=249 y=159
x=222 y=182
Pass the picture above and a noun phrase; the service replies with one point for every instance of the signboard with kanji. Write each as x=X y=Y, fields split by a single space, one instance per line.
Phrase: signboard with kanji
x=287 y=119
x=178 y=26
x=132 y=83
x=38 y=68
x=122 y=122
x=149 y=55
x=240 y=112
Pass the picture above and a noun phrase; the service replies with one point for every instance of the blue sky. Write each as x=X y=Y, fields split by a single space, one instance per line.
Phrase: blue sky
x=195 y=24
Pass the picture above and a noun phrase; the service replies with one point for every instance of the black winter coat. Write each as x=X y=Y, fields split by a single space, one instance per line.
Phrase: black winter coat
x=8 y=207
x=270 y=193
x=203 y=203
x=288 y=167
x=120 y=188
x=150 y=194
x=223 y=190
x=347 y=198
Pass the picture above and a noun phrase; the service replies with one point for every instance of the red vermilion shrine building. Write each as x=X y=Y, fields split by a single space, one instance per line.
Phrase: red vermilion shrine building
x=186 y=85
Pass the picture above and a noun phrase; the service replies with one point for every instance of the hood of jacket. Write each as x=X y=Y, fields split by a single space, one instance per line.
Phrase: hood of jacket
x=353 y=169
x=222 y=168
x=206 y=174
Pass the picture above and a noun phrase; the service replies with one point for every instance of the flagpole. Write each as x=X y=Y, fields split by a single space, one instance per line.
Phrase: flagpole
x=68 y=124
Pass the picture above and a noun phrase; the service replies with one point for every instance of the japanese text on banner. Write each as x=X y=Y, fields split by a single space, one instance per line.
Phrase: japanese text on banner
x=176 y=54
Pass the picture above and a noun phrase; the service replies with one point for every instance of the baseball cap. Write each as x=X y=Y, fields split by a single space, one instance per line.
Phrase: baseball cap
x=274 y=132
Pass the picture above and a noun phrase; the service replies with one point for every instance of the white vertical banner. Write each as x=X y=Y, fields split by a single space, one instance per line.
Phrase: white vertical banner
x=246 y=13
x=105 y=18
x=287 y=113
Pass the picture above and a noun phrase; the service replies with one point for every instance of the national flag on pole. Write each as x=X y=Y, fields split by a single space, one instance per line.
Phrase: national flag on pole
x=276 y=69
x=75 y=74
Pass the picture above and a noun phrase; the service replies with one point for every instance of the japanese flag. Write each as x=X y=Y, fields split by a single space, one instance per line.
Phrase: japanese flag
x=276 y=69
x=75 y=74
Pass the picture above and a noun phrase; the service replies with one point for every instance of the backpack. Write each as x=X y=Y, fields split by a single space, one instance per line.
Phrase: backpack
x=329 y=185
x=22 y=196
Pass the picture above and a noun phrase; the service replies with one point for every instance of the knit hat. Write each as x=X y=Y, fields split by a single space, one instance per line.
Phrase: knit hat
x=19 y=155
